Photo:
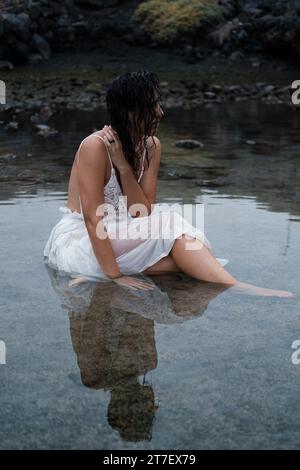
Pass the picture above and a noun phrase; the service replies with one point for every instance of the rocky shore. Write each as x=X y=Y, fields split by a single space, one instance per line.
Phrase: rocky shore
x=62 y=55
x=40 y=92
x=33 y=30
x=38 y=98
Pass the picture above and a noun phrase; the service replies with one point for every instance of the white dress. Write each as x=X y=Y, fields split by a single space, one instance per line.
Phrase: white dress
x=138 y=242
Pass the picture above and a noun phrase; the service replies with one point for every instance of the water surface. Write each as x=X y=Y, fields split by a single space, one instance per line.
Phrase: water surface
x=188 y=365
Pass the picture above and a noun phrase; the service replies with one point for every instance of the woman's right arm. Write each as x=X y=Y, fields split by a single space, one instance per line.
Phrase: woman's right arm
x=92 y=163
x=91 y=171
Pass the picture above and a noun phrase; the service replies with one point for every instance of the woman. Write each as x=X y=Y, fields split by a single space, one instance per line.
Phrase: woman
x=112 y=189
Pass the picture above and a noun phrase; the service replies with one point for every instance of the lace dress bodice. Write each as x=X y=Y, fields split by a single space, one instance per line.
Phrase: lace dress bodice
x=113 y=195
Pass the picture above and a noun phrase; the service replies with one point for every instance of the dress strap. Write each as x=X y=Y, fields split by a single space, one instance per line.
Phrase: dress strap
x=77 y=159
x=99 y=136
x=142 y=171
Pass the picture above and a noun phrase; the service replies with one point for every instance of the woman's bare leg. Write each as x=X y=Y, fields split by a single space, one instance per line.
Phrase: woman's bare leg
x=200 y=263
x=164 y=265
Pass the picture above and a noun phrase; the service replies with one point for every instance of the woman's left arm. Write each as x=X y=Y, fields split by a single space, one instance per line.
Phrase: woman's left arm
x=141 y=196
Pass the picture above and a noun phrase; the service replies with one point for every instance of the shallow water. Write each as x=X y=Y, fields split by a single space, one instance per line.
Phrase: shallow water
x=188 y=365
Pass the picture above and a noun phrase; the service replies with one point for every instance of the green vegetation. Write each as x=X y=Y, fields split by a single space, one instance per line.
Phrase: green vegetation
x=168 y=20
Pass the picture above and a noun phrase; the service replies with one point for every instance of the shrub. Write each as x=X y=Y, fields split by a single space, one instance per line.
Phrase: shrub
x=168 y=20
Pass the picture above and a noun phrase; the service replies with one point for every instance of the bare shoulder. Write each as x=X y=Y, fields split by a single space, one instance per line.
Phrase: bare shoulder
x=92 y=152
x=93 y=141
x=153 y=143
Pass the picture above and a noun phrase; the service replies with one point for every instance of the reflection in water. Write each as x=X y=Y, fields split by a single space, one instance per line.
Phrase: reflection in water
x=112 y=332
x=113 y=349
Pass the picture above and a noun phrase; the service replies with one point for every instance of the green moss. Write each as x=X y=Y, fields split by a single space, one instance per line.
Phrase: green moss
x=167 y=20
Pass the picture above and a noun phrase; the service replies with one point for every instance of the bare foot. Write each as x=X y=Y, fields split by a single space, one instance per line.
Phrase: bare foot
x=250 y=289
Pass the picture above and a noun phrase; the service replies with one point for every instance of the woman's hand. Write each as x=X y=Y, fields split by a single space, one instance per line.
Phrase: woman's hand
x=132 y=283
x=115 y=147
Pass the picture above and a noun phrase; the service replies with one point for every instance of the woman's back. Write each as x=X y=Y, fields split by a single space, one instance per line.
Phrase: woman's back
x=73 y=189
x=112 y=187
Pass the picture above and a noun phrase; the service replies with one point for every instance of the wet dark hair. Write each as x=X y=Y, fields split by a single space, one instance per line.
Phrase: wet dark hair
x=131 y=411
x=137 y=92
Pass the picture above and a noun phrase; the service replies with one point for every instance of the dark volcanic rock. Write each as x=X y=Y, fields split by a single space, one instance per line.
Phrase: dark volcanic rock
x=40 y=45
x=189 y=144
x=30 y=27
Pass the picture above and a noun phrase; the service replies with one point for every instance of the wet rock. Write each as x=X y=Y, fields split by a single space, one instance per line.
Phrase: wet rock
x=32 y=103
x=236 y=55
x=46 y=112
x=12 y=125
x=94 y=88
x=26 y=174
x=233 y=90
x=8 y=172
x=216 y=88
x=35 y=58
x=222 y=33
x=16 y=23
x=269 y=89
x=170 y=174
x=256 y=63
x=36 y=118
x=80 y=27
x=230 y=8
x=45 y=130
x=41 y=46
x=8 y=157
x=189 y=144
x=255 y=12
x=192 y=54
x=19 y=52
x=5 y=65
x=210 y=95
x=34 y=11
